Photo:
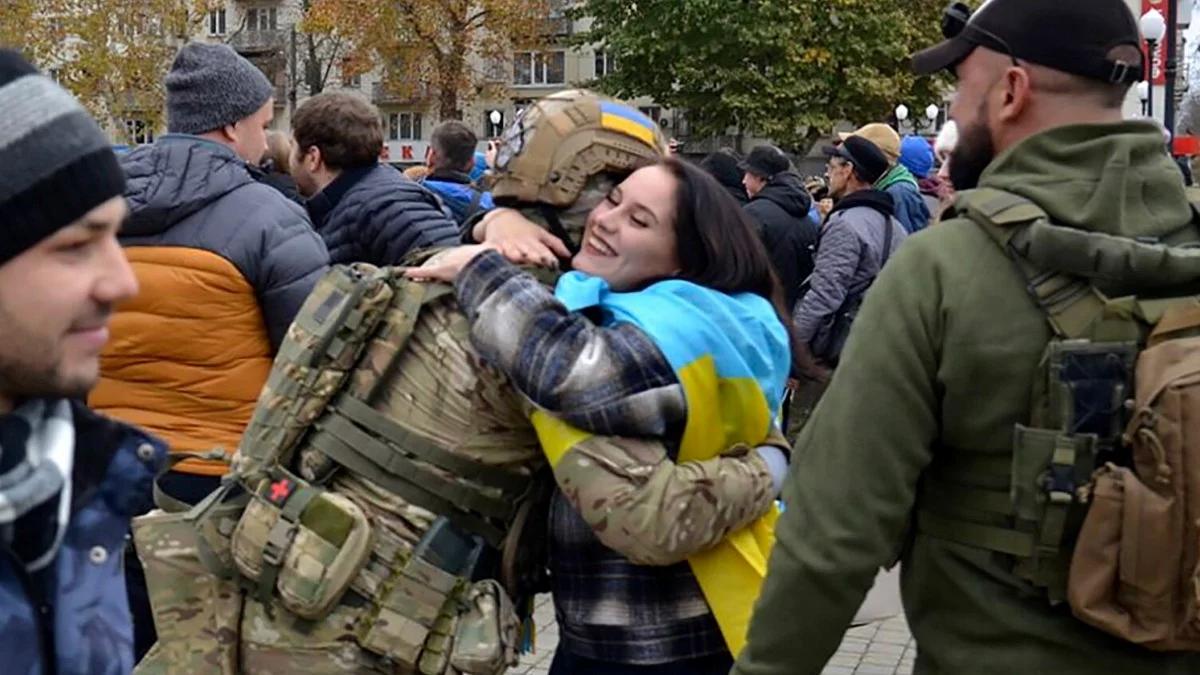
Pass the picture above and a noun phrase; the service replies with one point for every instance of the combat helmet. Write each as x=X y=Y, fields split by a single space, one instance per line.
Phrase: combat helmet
x=560 y=141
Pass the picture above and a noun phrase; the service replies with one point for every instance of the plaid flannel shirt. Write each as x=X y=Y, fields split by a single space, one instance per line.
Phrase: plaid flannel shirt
x=611 y=381
x=607 y=380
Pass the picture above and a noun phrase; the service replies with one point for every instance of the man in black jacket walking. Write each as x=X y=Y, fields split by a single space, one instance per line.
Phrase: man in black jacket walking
x=779 y=205
x=365 y=211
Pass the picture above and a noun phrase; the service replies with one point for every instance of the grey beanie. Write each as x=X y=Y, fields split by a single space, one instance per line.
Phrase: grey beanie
x=210 y=86
x=58 y=165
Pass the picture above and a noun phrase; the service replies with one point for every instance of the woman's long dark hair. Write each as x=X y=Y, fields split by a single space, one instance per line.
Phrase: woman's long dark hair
x=716 y=243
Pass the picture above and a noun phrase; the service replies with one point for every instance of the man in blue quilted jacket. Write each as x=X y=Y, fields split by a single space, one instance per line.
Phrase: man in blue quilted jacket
x=365 y=211
x=70 y=480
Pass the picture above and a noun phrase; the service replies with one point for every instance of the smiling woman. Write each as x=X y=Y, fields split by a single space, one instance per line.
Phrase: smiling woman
x=668 y=328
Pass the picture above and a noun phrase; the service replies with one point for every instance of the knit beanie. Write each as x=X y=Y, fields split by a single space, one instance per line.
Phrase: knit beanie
x=58 y=165
x=211 y=86
x=916 y=155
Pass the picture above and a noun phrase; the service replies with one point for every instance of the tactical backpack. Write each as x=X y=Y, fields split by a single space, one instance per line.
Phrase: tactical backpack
x=1100 y=505
x=296 y=545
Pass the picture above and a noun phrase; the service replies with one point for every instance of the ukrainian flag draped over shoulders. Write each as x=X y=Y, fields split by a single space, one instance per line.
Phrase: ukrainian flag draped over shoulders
x=732 y=357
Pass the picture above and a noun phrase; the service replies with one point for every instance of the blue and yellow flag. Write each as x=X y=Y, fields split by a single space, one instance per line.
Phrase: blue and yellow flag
x=732 y=357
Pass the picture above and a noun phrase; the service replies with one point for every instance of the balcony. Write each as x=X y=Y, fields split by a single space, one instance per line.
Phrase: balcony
x=258 y=42
x=382 y=95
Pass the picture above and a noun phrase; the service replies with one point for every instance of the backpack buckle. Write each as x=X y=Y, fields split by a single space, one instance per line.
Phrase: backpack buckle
x=1059 y=483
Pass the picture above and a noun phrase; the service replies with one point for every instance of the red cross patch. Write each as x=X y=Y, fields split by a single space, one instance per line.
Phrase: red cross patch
x=280 y=491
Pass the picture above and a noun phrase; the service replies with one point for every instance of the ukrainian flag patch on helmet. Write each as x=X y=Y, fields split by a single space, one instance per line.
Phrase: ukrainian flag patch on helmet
x=626 y=120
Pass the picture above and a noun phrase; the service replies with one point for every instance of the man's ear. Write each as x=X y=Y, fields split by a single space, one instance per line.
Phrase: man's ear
x=1017 y=93
x=229 y=132
x=312 y=160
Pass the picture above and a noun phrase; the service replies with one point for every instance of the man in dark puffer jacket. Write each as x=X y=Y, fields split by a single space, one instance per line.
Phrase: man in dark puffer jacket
x=779 y=206
x=365 y=211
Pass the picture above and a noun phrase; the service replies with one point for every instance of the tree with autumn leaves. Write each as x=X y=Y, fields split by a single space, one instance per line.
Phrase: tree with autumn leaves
x=432 y=50
x=111 y=54
x=787 y=70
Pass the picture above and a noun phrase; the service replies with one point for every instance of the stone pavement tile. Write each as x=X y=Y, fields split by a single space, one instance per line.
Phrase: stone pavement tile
x=852 y=649
x=844 y=660
x=875 y=670
x=877 y=660
x=854 y=644
x=886 y=649
x=905 y=669
x=891 y=638
x=837 y=670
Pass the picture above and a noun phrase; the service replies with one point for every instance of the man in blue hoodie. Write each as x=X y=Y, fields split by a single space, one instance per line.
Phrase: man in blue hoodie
x=451 y=160
x=910 y=207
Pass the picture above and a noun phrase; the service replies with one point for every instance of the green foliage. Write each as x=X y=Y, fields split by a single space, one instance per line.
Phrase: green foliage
x=785 y=69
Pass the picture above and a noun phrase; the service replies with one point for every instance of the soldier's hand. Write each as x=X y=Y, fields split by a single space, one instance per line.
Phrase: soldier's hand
x=521 y=240
x=447 y=265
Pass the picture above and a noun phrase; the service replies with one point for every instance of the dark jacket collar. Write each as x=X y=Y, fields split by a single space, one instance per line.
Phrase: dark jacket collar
x=450 y=176
x=324 y=202
x=97 y=440
x=875 y=200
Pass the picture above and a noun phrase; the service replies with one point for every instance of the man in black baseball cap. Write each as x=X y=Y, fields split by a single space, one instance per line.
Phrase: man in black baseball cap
x=951 y=428
x=1024 y=65
x=1073 y=36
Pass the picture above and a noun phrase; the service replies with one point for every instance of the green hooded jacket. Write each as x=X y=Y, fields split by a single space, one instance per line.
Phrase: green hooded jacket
x=942 y=360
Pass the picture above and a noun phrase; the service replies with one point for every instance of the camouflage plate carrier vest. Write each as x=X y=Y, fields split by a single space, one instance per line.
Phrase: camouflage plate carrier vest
x=1099 y=502
x=390 y=486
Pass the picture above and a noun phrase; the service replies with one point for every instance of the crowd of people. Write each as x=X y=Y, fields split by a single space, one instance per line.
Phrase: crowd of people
x=359 y=418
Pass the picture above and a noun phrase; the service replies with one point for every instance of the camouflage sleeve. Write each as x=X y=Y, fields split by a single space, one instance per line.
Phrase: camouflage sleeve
x=655 y=512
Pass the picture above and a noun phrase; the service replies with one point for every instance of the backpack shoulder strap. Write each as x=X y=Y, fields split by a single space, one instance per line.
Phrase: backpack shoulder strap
x=1071 y=304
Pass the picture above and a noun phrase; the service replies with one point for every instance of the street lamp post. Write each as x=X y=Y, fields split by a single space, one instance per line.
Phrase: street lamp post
x=1172 y=64
x=901 y=115
x=1143 y=94
x=931 y=113
x=1153 y=27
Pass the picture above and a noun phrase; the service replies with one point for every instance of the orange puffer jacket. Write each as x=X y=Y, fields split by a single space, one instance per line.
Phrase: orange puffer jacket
x=189 y=354
x=224 y=264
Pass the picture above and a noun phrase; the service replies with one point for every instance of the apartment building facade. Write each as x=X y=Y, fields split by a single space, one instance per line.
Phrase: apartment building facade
x=267 y=33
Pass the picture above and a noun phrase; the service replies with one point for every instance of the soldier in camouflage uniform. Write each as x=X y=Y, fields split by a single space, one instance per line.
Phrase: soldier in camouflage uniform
x=394 y=480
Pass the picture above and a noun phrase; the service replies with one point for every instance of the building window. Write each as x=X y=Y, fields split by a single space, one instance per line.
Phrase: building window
x=606 y=63
x=404 y=126
x=351 y=81
x=262 y=18
x=139 y=132
x=539 y=68
x=216 y=22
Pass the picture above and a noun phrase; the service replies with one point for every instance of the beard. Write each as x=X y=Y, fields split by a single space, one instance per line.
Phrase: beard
x=971 y=156
x=31 y=366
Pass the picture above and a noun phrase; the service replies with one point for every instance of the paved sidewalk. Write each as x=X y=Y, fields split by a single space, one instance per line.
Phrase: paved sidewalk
x=880 y=648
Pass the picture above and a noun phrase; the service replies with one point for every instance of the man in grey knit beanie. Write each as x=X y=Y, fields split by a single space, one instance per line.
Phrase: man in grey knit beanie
x=212 y=91
x=224 y=264
x=69 y=480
